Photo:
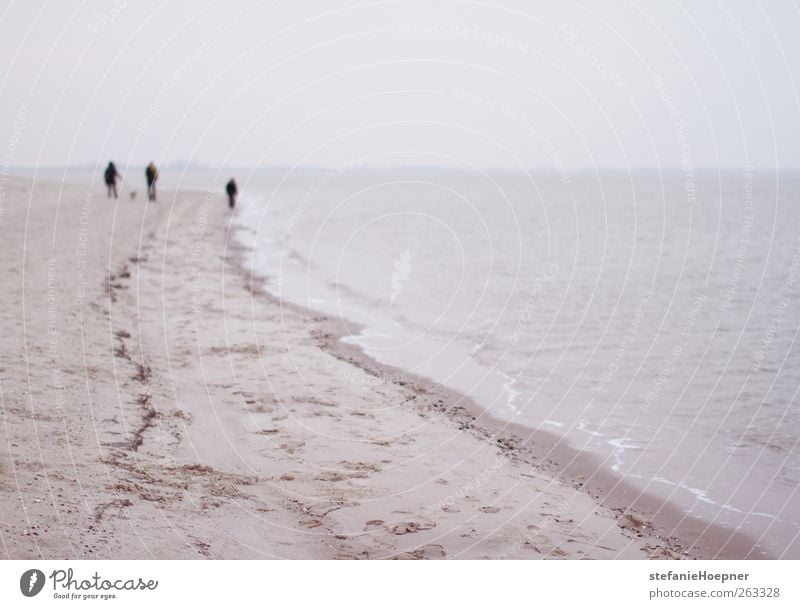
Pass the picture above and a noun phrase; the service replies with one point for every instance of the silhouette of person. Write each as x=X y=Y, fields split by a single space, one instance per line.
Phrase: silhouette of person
x=152 y=175
x=232 y=191
x=111 y=176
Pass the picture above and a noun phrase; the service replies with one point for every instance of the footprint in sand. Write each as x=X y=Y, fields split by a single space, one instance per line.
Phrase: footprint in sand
x=405 y=528
x=202 y=547
x=292 y=447
x=360 y=466
x=311 y=524
x=431 y=551
x=331 y=477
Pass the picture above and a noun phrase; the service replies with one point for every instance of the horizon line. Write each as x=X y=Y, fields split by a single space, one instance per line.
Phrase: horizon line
x=350 y=167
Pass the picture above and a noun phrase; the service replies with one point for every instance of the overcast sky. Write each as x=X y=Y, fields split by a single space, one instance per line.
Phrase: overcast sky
x=489 y=84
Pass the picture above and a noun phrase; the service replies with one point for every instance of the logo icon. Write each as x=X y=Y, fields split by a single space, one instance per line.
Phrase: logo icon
x=31 y=582
x=402 y=269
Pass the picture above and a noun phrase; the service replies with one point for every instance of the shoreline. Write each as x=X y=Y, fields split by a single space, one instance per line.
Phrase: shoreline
x=174 y=411
x=639 y=512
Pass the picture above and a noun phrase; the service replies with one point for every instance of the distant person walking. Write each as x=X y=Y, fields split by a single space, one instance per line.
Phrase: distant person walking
x=111 y=176
x=152 y=175
x=232 y=191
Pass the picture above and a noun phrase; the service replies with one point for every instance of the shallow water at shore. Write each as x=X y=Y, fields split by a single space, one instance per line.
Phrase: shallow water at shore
x=650 y=320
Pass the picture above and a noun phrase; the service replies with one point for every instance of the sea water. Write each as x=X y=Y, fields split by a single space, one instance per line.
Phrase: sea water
x=649 y=318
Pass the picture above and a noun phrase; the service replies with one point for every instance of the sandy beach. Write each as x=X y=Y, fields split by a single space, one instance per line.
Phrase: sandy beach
x=156 y=403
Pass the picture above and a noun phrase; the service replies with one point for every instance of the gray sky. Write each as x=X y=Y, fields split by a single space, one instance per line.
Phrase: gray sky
x=490 y=84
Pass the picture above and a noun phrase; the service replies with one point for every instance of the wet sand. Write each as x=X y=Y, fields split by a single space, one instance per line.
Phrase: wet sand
x=156 y=403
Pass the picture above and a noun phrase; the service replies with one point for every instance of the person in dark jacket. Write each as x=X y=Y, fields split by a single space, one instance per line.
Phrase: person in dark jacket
x=111 y=176
x=232 y=191
x=152 y=175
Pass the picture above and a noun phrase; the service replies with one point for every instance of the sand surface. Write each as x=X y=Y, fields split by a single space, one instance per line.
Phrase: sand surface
x=155 y=404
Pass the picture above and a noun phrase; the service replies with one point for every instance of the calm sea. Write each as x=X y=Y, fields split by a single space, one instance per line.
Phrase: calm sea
x=651 y=319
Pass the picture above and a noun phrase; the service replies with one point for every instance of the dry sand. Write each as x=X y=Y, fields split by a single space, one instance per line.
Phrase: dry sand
x=156 y=404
